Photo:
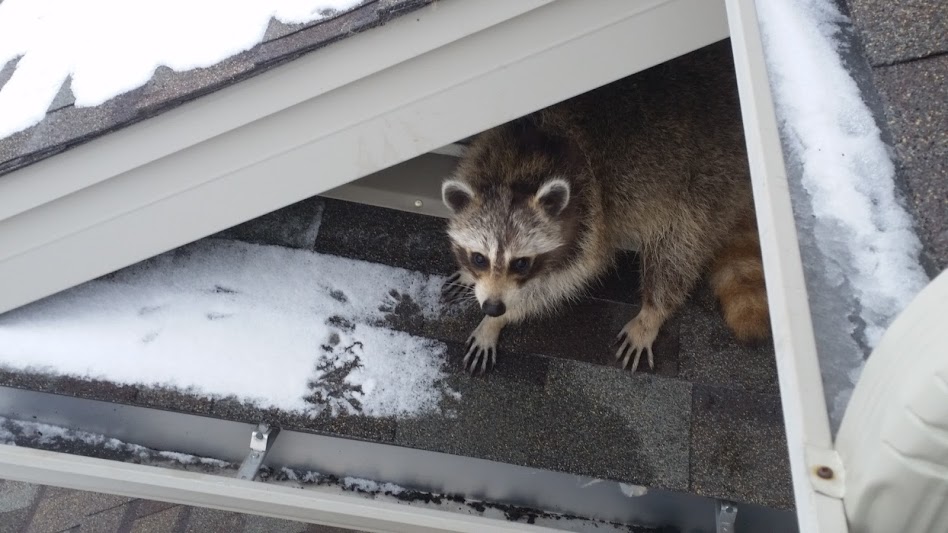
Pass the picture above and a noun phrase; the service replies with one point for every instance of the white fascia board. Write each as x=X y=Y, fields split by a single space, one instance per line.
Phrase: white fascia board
x=231 y=108
x=196 y=169
x=801 y=385
x=231 y=494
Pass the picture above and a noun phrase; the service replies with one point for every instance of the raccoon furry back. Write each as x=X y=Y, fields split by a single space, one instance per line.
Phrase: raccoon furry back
x=540 y=205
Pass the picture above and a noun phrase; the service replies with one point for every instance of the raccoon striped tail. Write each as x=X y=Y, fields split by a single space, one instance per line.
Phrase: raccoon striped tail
x=737 y=278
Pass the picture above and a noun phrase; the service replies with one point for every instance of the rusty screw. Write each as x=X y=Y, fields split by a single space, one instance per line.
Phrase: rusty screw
x=824 y=472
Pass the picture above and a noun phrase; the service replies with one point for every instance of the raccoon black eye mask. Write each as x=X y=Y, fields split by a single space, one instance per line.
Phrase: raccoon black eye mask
x=540 y=206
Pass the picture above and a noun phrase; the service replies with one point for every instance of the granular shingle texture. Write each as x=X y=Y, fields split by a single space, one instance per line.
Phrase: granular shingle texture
x=915 y=100
x=894 y=32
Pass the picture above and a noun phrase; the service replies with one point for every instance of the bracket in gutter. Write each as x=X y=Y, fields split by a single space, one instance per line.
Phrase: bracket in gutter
x=726 y=518
x=261 y=441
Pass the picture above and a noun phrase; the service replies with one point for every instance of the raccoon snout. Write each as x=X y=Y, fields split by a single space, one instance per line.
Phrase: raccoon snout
x=494 y=308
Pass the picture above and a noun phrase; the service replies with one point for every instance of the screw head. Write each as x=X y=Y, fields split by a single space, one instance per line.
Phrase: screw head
x=824 y=472
x=419 y=203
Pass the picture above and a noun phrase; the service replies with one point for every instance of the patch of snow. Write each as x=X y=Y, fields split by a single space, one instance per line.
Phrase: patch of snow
x=290 y=474
x=188 y=459
x=367 y=485
x=860 y=250
x=107 y=50
x=279 y=327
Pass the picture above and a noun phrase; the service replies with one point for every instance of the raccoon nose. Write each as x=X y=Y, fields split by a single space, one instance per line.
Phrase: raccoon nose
x=494 y=308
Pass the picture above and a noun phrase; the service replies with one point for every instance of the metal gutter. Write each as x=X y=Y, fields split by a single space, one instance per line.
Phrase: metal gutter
x=804 y=408
x=435 y=472
x=319 y=122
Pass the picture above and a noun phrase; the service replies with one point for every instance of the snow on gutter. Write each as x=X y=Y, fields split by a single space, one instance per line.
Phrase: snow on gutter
x=860 y=251
x=841 y=250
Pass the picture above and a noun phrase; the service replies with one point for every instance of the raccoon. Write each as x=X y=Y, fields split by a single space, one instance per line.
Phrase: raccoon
x=541 y=205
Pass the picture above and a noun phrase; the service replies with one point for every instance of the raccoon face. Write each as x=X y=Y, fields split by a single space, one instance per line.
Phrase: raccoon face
x=506 y=236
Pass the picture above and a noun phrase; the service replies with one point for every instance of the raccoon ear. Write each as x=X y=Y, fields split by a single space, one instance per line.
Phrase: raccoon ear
x=553 y=196
x=456 y=195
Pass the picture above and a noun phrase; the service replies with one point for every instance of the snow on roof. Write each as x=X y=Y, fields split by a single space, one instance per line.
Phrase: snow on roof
x=71 y=71
x=109 y=47
x=291 y=329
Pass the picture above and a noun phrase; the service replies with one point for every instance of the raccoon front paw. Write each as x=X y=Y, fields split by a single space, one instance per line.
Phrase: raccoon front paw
x=636 y=337
x=455 y=288
x=481 y=346
x=479 y=358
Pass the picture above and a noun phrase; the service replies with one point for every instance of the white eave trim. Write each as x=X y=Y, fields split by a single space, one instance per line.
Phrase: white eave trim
x=421 y=82
x=230 y=494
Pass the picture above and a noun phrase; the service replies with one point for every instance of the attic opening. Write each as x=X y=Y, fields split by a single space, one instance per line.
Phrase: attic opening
x=326 y=317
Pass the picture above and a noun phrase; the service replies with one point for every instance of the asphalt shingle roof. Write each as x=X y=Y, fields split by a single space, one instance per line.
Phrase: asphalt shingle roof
x=66 y=126
x=906 y=47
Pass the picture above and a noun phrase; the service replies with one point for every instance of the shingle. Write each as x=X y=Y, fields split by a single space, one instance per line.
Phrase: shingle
x=914 y=98
x=264 y=524
x=497 y=418
x=293 y=45
x=396 y=238
x=165 y=521
x=585 y=332
x=65 y=128
x=60 y=511
x=711 y=355
x=295 y=226
x=64 y=97
x=607 y=423
x=143 y=508
x=102 y=522
x=15 y=521
x=174 y=400
x=95 y=389
x=16 y=495
x=204 y=520
x=277 y=30
x=898 y=31
x=6 y=71
x=738 y=447
x=379 y=429
x=168 y=86
x=567 y=416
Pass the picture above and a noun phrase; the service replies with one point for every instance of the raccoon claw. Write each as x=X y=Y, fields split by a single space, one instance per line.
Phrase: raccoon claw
x=484 y=357
x=628 y=347
x=453 y=288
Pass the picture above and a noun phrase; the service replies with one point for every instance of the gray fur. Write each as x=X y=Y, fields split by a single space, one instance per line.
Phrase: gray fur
x=656 y=159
